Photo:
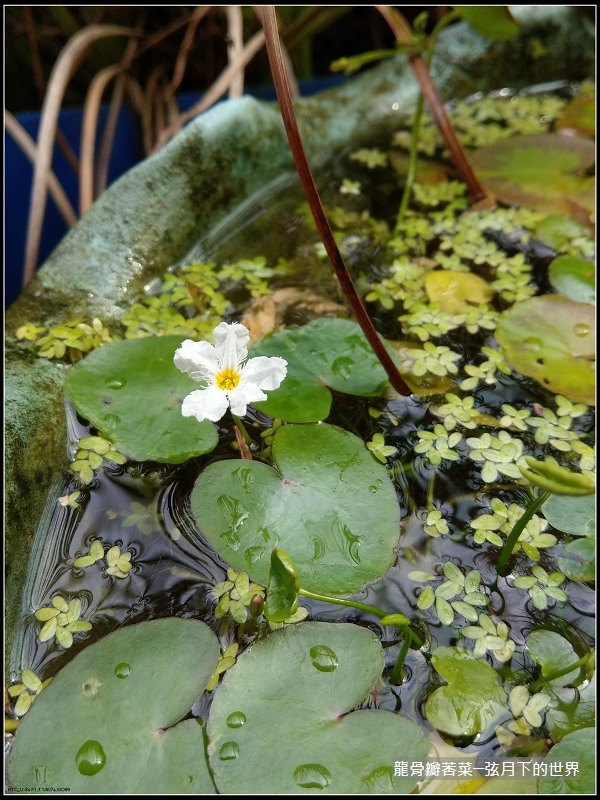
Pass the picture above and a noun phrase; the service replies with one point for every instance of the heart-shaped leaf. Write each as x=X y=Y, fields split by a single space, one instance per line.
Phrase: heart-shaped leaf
x=292 y=733
x=131 y=391
x=552 y=340
x=578 y=748
x=573 y=515
x=324 y=353
x=545 y=172
x=108 y=723
x=472 y=699
x=328 y=503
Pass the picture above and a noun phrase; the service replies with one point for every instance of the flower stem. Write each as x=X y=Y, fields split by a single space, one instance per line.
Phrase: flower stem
x=269 y=22
x=403 y=34
x=416 y=126
x=519 y=527
x=361 y=607
x=396 y=673
x=242 y=437
x=582 y=662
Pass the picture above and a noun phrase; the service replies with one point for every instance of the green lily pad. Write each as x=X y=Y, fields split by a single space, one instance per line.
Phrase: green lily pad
x=573 y=515
x=552 y=340
x=577 y=517
x=578 y=561
x=324 y=354
x=109 y=722
x=131 y=391
x=327 y=502
x=553 y=653
x=292 y=733
x=545 y=172
x=472 y=699
x=574 y=278
x=578 y=748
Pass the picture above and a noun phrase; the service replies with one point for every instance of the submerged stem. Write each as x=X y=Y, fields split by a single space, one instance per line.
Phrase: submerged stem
x=282 y=89
x=435 y=104
x=517 y=530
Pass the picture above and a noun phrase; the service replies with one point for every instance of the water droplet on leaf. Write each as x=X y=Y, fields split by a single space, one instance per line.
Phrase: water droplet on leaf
x=114 y=383
x=236 y=719
x=122 y=670
x=229 y=751
x=312 y=776
x=533 y=343
x=323 y=658
x=90 y=758
x=581 y=329
x=380 y=779
x=342 y=367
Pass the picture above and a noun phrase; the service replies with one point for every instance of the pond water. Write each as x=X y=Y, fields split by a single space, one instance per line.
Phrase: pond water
x=144 y=508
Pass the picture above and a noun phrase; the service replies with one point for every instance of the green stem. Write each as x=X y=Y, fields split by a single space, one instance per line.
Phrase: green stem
x=416 y=129
x=290 y=123
x=582 y=662
x=519 y=527
x=242 y=428
x=396 y=673
x=412 y=160
x=361 y=607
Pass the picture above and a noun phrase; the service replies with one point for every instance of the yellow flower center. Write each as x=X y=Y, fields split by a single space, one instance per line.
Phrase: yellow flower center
x=227 y=379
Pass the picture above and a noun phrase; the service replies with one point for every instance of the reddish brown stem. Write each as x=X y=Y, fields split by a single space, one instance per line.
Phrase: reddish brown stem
x=435 y=104
x=275 y=55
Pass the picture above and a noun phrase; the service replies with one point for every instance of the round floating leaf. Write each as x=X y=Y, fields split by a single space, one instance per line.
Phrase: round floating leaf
x=472 y=699
x=553 y=653
x=578 y=748
x=552 y=340
x=545 y=172
x=327 y=503
x=579 y=560
x=324 y=353
x=292 y=733
x=574 y=278
x=574 y=515
x=131 y=391
x=108 y=723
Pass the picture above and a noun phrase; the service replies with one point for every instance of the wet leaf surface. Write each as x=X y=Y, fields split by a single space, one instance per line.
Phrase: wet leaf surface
x=328 y=503
x=297 y=736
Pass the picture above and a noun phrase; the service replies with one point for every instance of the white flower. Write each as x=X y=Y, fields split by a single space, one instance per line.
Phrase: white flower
x=229 y=379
